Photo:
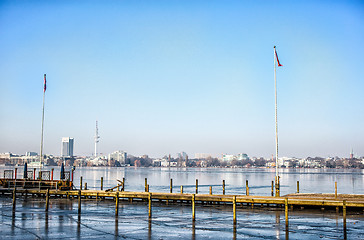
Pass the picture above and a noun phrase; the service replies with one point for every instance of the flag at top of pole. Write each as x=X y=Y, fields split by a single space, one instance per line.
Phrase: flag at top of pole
x=45 y=83
x=275 y=51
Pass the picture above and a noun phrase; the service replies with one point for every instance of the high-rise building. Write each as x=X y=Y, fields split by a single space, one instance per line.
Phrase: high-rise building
x=119 y=156
x=67 y=147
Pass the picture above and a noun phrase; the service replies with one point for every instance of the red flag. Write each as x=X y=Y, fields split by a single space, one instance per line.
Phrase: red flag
x=45 y=83
x=279 y=64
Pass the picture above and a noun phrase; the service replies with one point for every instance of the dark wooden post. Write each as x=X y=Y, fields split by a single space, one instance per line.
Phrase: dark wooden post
x=272 y=192
x=79 y=201
x=150 y=205
x=234 y=210
x=344 y=214
x=171 y=186
x=52 y=171
x=210 y=190
x=47 y=200
x=196 y=186
x=16 y=173
x=102 y=183
x=286 y=211
x=193 y=207
x=117 y=204
x=298 y=186
x=81 y=183
x=34 y=173
x=14 y=199
x=146 y=183
x=147 y=187
x=247 y=187
x=85 y=185
x=335 y=189
x=223 y=187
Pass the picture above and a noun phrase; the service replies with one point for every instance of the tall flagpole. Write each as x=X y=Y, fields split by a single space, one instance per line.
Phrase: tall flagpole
x=41 y=139
x=276 y=120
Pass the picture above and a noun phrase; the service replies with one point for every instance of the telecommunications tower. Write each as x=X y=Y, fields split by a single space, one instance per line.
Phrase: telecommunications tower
x=97 y=137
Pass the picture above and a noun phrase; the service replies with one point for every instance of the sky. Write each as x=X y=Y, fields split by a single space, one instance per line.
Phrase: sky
x=162 y=77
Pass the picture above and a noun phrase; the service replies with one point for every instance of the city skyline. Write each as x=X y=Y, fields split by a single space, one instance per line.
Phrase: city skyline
x=190 y=76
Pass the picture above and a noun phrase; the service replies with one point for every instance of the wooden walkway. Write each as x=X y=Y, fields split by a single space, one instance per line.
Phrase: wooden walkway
x=297 y=199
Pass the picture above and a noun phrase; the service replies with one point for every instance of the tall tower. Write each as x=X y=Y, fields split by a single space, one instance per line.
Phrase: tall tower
x=97 y=137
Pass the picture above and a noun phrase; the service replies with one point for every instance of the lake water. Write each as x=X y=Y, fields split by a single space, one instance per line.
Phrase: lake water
x=173 y=221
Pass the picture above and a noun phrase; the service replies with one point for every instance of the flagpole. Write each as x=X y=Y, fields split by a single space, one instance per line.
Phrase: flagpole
x=276 y=122
x=41 y=139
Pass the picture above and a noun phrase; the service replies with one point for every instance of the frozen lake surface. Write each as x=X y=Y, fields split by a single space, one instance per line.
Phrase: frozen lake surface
x=174 y=221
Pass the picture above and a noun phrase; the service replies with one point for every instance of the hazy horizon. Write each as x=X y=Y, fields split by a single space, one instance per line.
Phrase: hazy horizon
x=194 y=76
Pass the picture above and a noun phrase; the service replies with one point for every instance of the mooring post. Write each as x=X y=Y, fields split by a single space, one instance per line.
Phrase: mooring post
x=147 y=187
x=234 y=210
x=146 y=183
x=181 y=189
x=81 y=183
x=102 y=183
x=85 y=185
x=298 y=186
x=272 y=191
x=210 y=190
x=279 y=186
x=344 y=214
x=14 y=199
x=286 y=211
x=16 y=171
x=117 y=204
x=150 y=205
x=47 y=200
x=335 y=189
x=223 y=187
x=34 y=173
x=171 y=185
x=79 y=201
x=52 y=171
x=193 y=207
x=196 y=186
x=247 y=187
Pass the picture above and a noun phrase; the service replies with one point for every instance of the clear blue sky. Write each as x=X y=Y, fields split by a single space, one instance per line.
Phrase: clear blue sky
x=196 y=76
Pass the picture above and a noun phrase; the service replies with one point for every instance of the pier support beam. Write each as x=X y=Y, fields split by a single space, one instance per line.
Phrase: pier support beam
x=196 y=186
x=14 y=199
x=181 y=189
x=335 y=189
x=298 y=186
x=171 y=186
x=286 y=211
x=81 y=183
x=223 y=187
x=150 y=205
x=117 y=204
x=272 y=191
x=193 y=208
x=247 y=188
x=210 y=190
x=344 y=215
x=79 y=201
x=234 y=210
x=145 y=184
x=102 y=183
x=47 y=200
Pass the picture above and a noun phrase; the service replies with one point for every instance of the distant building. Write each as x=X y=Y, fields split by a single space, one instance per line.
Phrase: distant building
x=118 y=156
x=242 y=157
x=228 y=157
x=31 y=154
x=202 y=155
x=67 y=147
